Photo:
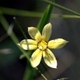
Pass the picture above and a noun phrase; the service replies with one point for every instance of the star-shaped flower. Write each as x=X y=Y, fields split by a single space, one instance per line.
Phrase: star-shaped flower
x=40 y=43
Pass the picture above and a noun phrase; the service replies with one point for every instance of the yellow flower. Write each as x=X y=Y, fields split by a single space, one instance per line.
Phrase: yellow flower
x=41 y=44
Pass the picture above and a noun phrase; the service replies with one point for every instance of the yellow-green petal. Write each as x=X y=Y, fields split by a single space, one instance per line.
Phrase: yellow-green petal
x=47 y=30
x=57 y=43
x=50 y=58
x=28 y=44
x=36 y=58
x=34 y=33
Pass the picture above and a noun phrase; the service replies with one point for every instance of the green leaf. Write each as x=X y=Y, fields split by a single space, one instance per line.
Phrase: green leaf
x=46 y=16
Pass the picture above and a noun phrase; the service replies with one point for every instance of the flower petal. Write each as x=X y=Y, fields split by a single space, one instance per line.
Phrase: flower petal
x=50 y=59
x=36 y=58
x=28 y=44
x=34 y=33
x=57 y=43
x=46 y=33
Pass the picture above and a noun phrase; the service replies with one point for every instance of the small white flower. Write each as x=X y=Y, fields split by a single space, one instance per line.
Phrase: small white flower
x=40 y=43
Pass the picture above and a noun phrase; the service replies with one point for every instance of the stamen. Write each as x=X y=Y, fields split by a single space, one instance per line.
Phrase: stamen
x=42 y=45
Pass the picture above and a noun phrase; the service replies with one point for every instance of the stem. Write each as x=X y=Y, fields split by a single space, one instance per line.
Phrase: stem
x=29 y=73
x=18 y=25
x=62 y=7
x=16 y=12
x=23 y=13
x=45 y=18
x=41 y=74
x=13 y=36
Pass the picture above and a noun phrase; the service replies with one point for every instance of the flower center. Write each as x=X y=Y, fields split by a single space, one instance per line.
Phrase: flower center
x=42 y=45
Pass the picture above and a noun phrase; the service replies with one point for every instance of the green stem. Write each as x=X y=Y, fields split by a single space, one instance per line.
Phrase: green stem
x=16 y=12
x=45 y=18
x=18 y=25
x=64 y=16
x=29 y=73
x=41 y=74
x=13 y=36
x=62 y=7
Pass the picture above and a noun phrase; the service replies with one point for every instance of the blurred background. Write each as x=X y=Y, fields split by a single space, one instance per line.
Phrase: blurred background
x=13 y=68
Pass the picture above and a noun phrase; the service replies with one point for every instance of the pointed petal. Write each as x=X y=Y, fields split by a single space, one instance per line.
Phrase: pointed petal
x=36 y=58
x=34 y=33
x=57 y=43
x=50 y=59
x=46 y=33
x=28 y=44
